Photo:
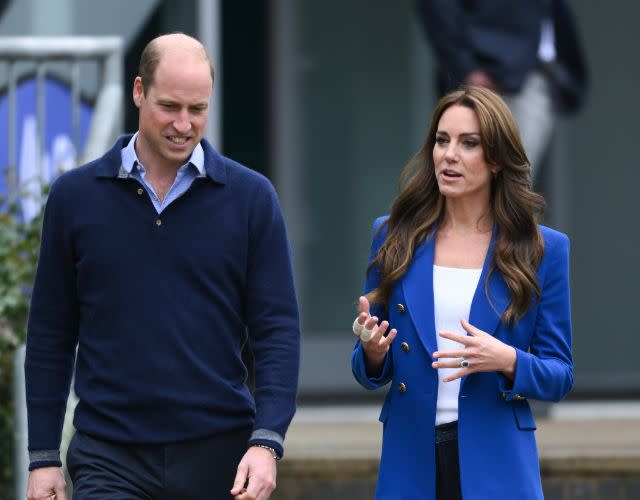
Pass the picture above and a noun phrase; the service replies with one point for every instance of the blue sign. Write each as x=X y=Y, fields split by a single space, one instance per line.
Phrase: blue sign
x=35 y=167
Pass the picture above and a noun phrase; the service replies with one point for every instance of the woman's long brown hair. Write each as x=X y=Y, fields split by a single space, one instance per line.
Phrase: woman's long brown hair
x=515 y=207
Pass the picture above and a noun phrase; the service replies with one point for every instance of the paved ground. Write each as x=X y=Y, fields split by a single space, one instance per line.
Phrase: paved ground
x=571 y=430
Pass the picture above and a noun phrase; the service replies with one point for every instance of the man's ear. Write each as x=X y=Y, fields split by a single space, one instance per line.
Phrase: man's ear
x=138 y=91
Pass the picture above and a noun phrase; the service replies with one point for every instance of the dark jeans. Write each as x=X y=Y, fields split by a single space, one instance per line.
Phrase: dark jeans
x=447 y=463
x=200 y=469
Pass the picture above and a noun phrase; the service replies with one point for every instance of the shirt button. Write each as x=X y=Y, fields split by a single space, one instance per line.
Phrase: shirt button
x=140 y=190
x=158 y=222
x=402 y=387
x=404 y=346
x=400 y=308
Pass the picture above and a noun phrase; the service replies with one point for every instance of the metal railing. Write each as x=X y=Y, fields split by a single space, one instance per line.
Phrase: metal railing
x=70 y=51
x=106 y=124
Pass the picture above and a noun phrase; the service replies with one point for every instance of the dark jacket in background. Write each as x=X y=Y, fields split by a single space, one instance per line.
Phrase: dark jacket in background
x=501 y=37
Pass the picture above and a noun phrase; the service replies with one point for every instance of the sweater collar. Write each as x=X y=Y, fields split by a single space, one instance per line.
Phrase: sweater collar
x=110 y=165
x=130 y=157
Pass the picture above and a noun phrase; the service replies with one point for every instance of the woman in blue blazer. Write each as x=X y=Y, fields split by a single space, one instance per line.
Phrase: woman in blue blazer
x=466 y=312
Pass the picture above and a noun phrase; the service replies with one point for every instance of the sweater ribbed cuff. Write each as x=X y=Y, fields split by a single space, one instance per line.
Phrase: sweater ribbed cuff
x=268 y=438
x=44 y=458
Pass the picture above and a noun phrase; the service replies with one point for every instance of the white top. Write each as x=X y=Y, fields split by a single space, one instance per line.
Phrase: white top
x=453 y=290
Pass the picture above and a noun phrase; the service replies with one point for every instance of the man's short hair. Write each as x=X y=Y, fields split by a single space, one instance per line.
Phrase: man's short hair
x=150 y=59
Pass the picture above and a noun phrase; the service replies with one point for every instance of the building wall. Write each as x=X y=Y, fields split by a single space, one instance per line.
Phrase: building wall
x=602 y=192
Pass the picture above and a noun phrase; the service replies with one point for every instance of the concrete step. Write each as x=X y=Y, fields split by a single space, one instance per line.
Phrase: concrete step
x=586 y=452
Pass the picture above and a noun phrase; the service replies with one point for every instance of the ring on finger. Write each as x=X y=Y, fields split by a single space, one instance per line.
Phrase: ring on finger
x=464 y=363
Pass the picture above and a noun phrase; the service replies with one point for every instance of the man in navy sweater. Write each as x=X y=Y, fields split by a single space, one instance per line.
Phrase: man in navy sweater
x=159 y=261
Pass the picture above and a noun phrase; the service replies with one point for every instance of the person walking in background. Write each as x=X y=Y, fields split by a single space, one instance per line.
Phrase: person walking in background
x=466 y=312
x=528 y=51
x=160 y=260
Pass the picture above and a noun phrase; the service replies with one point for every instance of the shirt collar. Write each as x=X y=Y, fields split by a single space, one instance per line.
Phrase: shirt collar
x=130 y=158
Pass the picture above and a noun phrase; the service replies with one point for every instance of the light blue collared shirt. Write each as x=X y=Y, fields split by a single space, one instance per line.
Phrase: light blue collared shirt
x=187 y=173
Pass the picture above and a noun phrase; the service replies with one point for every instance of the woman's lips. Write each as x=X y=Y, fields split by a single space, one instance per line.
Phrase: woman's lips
x=450 y=174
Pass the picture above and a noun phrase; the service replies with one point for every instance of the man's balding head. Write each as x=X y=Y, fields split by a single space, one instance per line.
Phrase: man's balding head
x=173 y=44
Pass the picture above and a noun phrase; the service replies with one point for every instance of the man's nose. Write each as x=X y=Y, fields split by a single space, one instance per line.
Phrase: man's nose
x=182 y=124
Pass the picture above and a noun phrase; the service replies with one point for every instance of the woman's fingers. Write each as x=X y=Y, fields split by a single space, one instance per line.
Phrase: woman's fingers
x=362 y=318
x=373 y=335
x=360 y=321
x=472 y=330
x=451 y=354
x=371 y=322
x=447 y=363
x=364 y=305
x=389 y=338
x=370 y=329
x=463 y=372
x=379 y=340
x=379 y=331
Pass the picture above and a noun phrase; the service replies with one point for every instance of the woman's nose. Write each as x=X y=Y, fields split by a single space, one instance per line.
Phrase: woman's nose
x=451 y=153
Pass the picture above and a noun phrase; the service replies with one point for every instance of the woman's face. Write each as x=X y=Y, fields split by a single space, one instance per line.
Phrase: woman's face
x=460 y=167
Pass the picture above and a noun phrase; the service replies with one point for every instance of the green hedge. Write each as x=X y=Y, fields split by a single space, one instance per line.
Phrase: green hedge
x=19 y=246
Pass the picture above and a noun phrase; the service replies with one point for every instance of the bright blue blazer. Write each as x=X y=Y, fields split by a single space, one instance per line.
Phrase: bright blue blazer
x=497 y=447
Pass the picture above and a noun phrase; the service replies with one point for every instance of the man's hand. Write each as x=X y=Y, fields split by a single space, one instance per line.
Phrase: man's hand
x=257 y=470
x=47 y=483
x=481 y=78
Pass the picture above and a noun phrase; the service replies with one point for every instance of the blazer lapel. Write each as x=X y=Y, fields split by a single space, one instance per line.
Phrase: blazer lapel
x=417 y=286
x=486 y=311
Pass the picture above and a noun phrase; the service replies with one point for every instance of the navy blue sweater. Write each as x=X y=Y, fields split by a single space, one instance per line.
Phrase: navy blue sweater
x=160 y=307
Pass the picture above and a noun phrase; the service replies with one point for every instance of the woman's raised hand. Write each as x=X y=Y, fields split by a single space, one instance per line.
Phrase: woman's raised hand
x=372 y=336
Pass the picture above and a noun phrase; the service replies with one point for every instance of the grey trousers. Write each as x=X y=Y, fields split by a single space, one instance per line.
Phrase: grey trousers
x=532 y=108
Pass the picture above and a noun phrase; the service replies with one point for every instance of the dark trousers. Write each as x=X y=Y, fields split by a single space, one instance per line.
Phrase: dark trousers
x=199 y=469
x=447 y=462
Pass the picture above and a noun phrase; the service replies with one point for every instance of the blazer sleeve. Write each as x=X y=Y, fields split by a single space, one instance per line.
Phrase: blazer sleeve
x=357 y=357
x=545 y=371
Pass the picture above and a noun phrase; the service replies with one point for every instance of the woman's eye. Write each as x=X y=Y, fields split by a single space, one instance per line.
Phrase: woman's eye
x=440 y=140
x=470 y=144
